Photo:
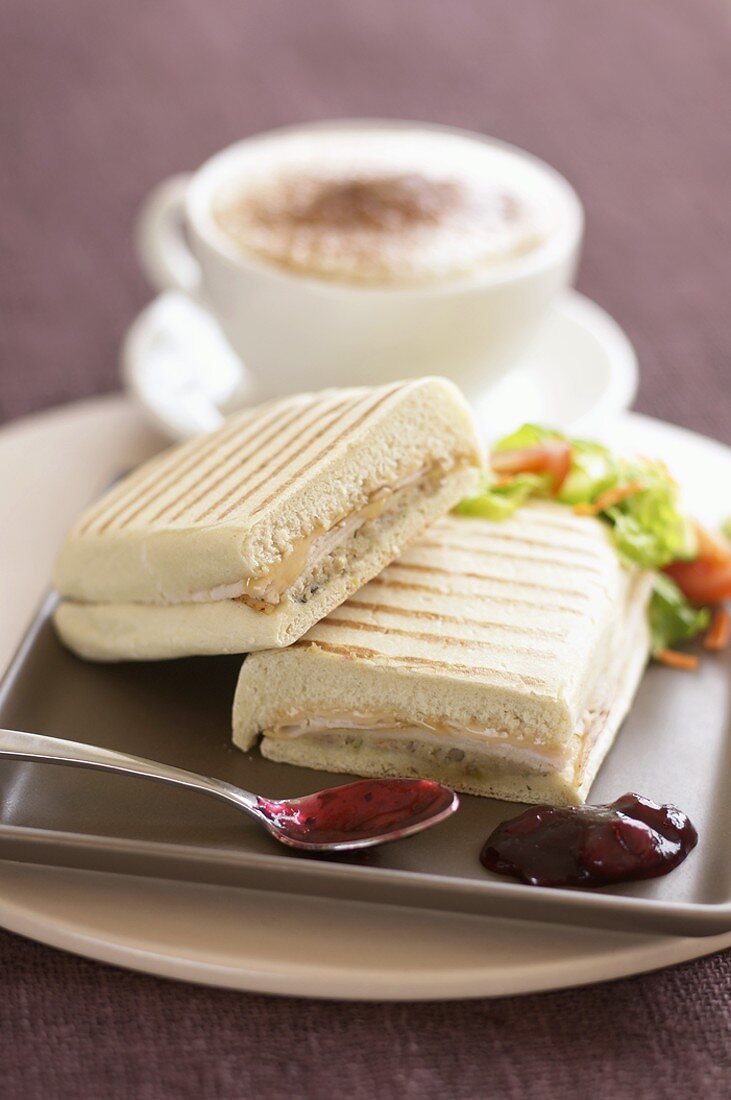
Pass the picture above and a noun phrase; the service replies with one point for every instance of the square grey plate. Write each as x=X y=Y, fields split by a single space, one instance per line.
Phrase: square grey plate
x=674 y=747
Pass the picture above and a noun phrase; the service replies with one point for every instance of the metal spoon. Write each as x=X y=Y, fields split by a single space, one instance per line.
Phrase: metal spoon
x=338 y=819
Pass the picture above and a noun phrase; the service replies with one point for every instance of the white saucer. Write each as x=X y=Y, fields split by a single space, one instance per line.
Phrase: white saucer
x=581 y=372
x=267 y=942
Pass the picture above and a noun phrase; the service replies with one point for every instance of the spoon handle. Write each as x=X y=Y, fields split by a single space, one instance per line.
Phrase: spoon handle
x=16 y=745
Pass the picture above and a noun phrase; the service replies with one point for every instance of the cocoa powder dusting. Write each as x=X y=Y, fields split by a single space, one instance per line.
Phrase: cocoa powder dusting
x=385 y=203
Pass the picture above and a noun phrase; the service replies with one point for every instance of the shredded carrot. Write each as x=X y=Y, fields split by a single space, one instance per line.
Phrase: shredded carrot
x=719 y=633
x=673 y=659
x=615 y=496
x=608 y=499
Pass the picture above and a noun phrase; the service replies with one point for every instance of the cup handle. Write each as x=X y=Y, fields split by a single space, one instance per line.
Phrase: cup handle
x=162 y=249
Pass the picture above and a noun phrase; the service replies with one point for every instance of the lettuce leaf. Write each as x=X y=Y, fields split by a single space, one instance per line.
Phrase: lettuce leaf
x=673 y=619
x=650 y=529
x=528 y=435
x=726 y=527
x=498 y=502
x=594 y=469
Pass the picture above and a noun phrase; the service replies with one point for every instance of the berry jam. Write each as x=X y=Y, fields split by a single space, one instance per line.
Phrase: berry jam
x=359 y=810
x=632 y=838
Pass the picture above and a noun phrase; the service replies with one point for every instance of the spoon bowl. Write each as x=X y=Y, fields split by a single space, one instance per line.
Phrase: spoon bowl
x=358 y=815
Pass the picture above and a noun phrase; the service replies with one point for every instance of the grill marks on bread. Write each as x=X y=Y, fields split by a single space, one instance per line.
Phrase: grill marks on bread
x=310 y=427
x=267 y=449
x=440 y=638
x=412 y=661
x=518 y=616
x=364 y=407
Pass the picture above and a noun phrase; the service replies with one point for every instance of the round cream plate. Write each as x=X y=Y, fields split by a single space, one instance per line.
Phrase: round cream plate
x=266 y=942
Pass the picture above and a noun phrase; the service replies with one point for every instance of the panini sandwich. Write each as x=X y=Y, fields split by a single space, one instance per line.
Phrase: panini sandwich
x=243 y=539
x=498 y=658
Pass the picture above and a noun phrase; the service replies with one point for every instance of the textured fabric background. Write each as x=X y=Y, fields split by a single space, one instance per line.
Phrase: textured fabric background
x=101 y=100
x=629 y=99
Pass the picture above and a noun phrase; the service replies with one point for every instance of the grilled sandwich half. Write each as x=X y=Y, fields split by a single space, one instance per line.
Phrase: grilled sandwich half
x=499 y=658
x=243 y=539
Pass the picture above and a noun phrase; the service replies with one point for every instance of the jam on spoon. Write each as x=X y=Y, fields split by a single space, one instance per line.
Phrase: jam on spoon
x=632 y=838
x=356 y=814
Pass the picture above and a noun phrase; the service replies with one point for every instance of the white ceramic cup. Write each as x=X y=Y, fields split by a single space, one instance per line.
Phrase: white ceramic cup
x=297 y=332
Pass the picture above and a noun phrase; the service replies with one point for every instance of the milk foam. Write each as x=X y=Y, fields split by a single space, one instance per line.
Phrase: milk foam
x=384 y=206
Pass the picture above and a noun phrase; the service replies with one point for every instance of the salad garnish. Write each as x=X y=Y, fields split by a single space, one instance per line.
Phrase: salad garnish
x=640 y=502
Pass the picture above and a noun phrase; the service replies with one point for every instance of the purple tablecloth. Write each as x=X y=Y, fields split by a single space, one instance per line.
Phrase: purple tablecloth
x=101 y=100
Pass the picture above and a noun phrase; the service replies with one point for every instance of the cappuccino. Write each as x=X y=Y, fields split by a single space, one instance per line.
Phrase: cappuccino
x=382 y=207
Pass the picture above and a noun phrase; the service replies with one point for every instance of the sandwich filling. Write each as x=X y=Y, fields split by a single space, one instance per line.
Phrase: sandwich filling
x=445 y=743
x=314 y=558
x=432 y=732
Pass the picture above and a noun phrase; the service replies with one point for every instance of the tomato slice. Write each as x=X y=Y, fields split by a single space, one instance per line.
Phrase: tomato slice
x=552 y=457
x=703 y=581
